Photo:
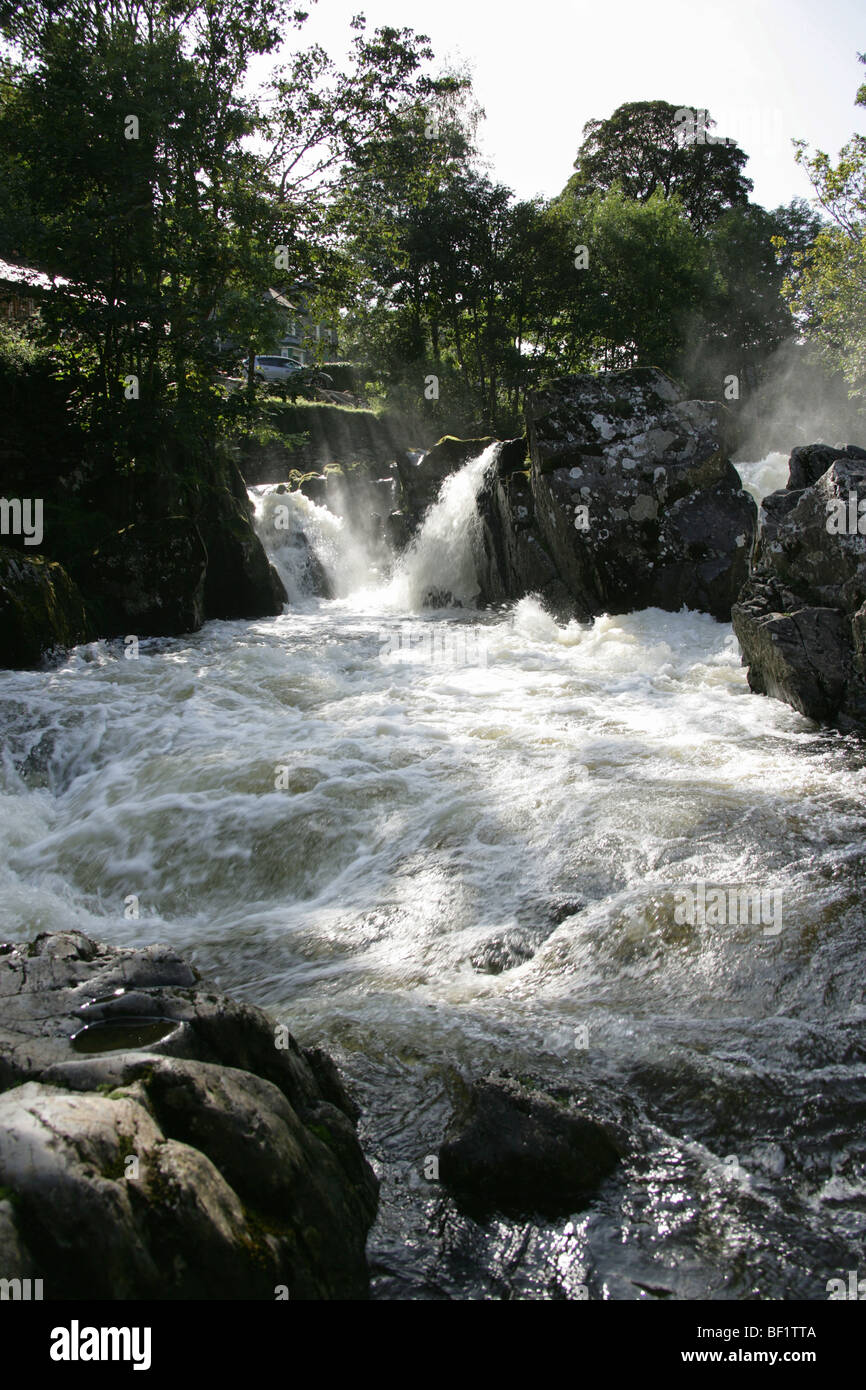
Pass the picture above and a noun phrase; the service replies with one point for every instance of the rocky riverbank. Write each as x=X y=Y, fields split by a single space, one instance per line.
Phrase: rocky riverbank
x=158 y=1140
x=148 y=538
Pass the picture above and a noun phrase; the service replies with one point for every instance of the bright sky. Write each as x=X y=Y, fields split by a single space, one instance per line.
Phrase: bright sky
x=777 y=69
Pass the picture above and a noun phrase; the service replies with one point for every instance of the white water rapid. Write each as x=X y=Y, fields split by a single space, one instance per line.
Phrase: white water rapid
x=434 y=866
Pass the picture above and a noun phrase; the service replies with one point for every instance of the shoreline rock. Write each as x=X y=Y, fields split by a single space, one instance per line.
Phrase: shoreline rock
x=161 y=1141
x=800 y=618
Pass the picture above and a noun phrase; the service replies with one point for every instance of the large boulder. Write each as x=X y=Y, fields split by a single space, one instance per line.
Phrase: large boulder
x=149 y=579
x=240 y=581
x=636 y=501
x=41 y=611
x=514 y=1148
x=801 y=617
x=510 y=557
x=161 y=1141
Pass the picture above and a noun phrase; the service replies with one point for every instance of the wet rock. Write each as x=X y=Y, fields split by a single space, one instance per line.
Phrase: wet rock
x=213 y=1160
x=810 y=461
x=240 y=581
x=41 y=610
x=502 y=953
x=149 y=578
x=627 y=500
x=517 y=1150
x=801 y=617
x=636 y=500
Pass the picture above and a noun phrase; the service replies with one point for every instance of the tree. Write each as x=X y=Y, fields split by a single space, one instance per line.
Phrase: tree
x=826 y=286
x=641 y=147
x=646 y=282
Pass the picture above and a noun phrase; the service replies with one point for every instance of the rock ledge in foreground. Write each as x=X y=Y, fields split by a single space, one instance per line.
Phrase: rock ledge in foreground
x=174 y=1151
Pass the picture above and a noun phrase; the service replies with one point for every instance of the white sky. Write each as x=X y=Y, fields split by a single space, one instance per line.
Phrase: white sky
x=543 y=67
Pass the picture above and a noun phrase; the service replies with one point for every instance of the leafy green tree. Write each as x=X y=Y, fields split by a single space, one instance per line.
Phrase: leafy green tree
x=646 y=281
x=826 y=286
x=641 y=148
x=169 y=200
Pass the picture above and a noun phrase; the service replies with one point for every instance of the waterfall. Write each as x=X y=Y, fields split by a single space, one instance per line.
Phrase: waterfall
x=438 y=567
x=764 y=475
x=314 y=551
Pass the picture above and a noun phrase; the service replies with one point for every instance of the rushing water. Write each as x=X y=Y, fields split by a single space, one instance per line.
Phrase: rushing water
x=439 y=842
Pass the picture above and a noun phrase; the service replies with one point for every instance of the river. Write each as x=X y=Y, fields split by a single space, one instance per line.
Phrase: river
x=437 y=842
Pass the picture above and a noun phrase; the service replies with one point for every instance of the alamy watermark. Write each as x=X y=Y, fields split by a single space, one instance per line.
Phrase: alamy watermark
x=435 y=644
x=718 y=907
x=21 y=1290
x=750 y=127
x=855 y=1288
x=846 y=518
x=22 y=517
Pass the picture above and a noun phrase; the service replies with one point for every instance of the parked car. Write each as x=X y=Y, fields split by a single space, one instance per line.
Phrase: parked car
x=276 y=368
x=286 y=371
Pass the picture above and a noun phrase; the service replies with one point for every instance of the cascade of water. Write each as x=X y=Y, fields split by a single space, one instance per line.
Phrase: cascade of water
x=436 y=570
x=438 y=567
x=304 y=540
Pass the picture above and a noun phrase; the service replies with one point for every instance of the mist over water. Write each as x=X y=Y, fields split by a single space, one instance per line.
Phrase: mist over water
x=469 y=865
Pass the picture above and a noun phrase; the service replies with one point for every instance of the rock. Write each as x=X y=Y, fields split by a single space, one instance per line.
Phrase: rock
x=154 y=532
x=314 y=486
x=510 y=558
x=810 y=461
x=635 y=500
x=161 y=1141
x=41 y=611
x=518 y=1150
x=240 y=581
x=149 y=579
x=801 y=617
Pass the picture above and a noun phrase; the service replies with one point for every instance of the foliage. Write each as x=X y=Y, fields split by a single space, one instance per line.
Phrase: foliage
x=826 y=285
x=640 y=149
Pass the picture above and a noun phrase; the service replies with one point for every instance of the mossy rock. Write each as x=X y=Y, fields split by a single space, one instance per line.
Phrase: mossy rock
x=455 y=452
x=149 y=578
x=42 y=612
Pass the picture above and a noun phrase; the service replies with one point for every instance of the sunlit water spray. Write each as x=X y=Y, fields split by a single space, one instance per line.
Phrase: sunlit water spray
x=474 y=866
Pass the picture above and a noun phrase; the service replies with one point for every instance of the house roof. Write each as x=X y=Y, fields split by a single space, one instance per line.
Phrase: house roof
x=280 y=298
x=26 y=277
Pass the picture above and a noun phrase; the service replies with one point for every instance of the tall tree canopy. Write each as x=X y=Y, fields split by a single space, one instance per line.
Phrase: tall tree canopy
x=641 y=147
x=133 y=164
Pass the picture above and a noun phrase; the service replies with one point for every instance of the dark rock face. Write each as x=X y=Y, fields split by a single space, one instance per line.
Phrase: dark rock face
x=510 y=558
x=667 y=522
x=180 y=1147
x=41 y=610
x=627 y=500
x=519 y=1150
x=240 y=581
x=150 y=578
x=801 y=617
x=134 y=535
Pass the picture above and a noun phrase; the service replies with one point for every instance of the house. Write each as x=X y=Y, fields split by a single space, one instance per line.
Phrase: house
x=300 y=336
